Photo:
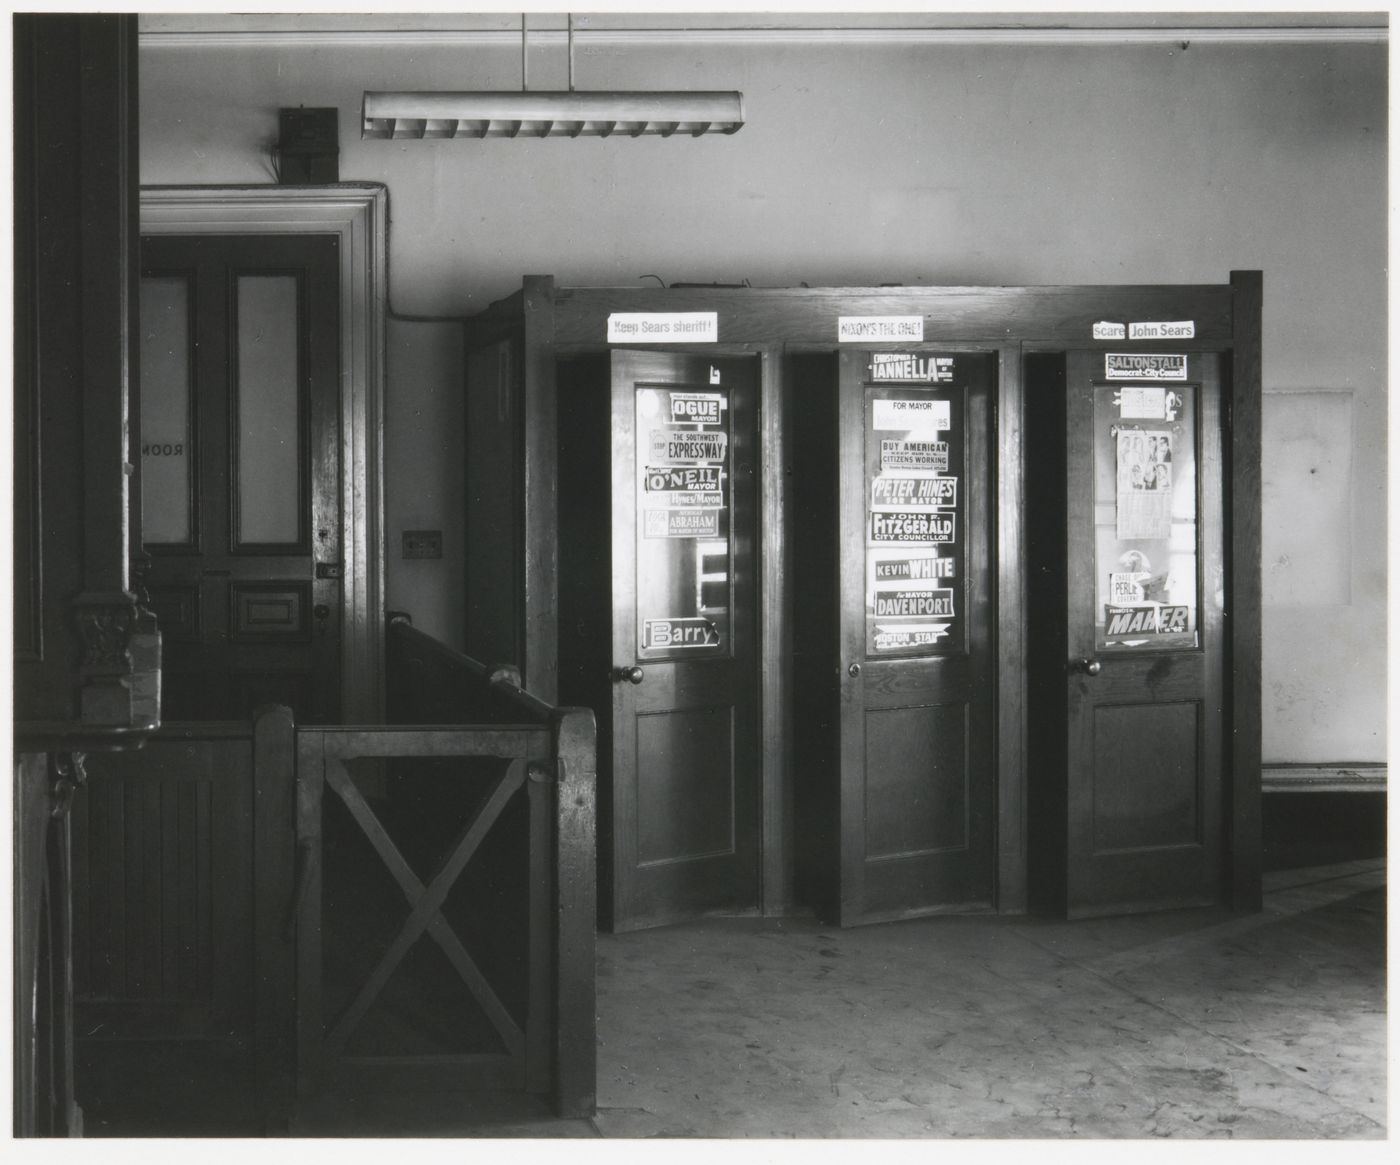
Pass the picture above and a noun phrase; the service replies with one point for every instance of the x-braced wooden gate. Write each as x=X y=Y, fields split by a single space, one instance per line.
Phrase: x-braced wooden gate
x=530 y=1035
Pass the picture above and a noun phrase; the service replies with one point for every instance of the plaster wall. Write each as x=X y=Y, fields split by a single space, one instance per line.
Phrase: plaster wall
x=423 y=473
x=916 y=163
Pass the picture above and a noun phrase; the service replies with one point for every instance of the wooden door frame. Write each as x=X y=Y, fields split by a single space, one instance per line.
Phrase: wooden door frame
x=358 y=216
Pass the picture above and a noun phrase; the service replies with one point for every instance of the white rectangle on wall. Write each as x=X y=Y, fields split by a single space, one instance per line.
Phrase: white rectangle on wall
x=1144 y=366
x=1307 y=439
x=676 y=327
x=1166 y=330
x=867 y=329
x=919 y=414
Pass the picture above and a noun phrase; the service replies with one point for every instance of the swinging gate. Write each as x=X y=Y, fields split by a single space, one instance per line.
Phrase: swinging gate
x=484 y=834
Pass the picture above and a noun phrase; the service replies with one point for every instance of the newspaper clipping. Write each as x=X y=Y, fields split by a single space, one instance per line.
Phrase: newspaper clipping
x=1144 y=483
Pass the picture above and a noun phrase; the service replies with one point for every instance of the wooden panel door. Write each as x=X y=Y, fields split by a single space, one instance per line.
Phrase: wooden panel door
x=685 y=816
x=916 y=655
x=1144 y=594
x=240 y=461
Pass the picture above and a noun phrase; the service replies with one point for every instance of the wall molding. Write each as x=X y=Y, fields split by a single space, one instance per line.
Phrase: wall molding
x=167 y=37
x=358 y=214
x=1364 y=777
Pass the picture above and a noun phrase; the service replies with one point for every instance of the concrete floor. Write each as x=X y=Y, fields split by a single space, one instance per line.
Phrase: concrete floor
x=1198 y=1024
x=1188 y=1024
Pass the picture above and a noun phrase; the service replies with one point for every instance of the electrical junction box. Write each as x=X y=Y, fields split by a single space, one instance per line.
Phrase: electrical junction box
x=422 y=543
x=308 y=146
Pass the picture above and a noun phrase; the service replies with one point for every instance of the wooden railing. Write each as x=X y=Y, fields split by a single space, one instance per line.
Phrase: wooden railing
x=455 y=844
x=475 y=809
x=432 y=683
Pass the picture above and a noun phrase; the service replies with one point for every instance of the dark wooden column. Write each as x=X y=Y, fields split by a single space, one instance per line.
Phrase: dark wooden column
x=76 y=339
x=44 y=1100
x=540 y=667
x=86 y=663
x=1245 y=505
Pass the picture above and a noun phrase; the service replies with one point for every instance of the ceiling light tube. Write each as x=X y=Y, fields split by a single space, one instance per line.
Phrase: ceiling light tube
x=496 y=114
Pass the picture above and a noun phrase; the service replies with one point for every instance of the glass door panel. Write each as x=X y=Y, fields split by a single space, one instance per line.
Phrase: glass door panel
x=167 y=447
x=683 y=552
x=1145 y=518
x=270 y=492
x=915 y=525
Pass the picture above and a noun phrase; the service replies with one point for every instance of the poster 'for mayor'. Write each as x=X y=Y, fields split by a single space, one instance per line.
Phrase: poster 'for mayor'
x=935 y=602
x=685 y=487
x=914 y=493
x=696 y=408
x=698 y=523
x=703 y=478
x=916 y=414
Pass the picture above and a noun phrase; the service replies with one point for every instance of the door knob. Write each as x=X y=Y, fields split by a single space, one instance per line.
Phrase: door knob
x=633 y=675
x=853 y=670
x=1090 y=667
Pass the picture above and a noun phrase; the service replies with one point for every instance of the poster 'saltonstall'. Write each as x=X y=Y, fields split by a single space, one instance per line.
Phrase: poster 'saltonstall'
x=880 y=515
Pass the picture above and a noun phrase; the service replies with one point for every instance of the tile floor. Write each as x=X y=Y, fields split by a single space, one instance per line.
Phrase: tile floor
x=1197 y=1024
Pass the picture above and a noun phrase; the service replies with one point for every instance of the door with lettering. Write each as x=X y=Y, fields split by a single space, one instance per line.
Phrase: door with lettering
x=240 y=470
x=916 y=655
x=683 y=829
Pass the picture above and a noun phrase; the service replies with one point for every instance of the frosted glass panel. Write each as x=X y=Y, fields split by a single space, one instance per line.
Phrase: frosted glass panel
x=166 y=448
x=269 y=416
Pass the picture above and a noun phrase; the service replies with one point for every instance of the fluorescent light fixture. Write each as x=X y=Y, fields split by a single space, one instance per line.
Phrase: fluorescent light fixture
x=505 y=114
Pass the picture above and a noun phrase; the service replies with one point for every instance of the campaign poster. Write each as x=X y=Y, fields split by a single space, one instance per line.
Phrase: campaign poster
x=679 y=633
x=686 y=446
x=680 y=523
x=923 y=456
x=917 y=414
x=906 y=526
x=914 y=493
x=935 y=602
x=902 y=637
x=1144 y=483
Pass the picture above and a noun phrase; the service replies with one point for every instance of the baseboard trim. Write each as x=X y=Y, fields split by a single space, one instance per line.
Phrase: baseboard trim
x=1368 y=777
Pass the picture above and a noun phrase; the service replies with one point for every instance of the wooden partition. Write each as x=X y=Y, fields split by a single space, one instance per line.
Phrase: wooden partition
x=204 y=896
x=476 y=813
x=182 y=879
x=797 y=333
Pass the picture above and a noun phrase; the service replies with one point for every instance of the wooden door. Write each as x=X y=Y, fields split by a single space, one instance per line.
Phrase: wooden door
x=1144 y=610
x=685 y=822
x=240 y=465
x=916 y=654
